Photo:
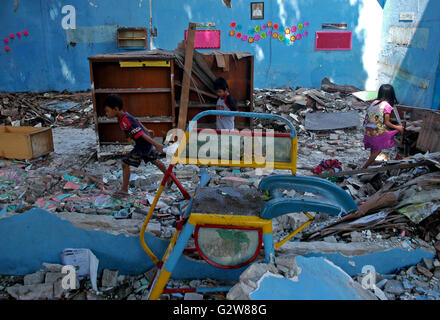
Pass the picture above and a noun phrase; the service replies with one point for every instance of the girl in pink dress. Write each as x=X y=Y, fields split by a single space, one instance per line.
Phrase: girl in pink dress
x=379 y=131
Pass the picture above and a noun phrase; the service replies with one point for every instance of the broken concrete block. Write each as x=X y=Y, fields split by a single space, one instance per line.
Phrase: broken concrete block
x=237 y=292
x=394 y=287
x=52 y=277
x=192 y=296
x=255 y=271
x=109 y=278
x=424 y=271
x=287 y=264
x=356 y=236
x=330 y=239
x=51 y=267
x=380 y=294
x=429 y=263
x=154 y=228
x=59 y=291
x=34 y=278
x=42 y=291
x=235 y=181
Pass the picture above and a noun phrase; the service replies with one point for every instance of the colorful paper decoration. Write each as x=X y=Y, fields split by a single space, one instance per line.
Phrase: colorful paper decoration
x=19 y=34
x=12 y=36
x=6 y=40
x=7 y=49
x=26 y=33
x=285 y=34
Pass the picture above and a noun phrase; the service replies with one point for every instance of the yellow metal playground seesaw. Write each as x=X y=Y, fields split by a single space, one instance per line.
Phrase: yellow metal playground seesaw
x=232 y=225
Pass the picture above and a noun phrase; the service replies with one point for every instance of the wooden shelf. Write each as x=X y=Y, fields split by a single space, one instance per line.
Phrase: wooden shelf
x=141 y=119
x=134 y=90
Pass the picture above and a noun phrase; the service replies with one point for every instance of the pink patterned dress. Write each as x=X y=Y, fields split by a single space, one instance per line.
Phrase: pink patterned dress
x=377 y=136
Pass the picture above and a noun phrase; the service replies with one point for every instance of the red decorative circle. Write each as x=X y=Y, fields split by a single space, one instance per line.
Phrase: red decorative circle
x=276 y=26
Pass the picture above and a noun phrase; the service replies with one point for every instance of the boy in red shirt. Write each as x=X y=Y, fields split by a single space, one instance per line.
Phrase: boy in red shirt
x=146 y=148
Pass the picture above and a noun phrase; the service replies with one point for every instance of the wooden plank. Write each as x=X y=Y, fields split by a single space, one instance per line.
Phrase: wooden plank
x=429 y=137
x=134 y=90
x=208 y=94
x=173 y=94
x=184 y=98
x=371 y=170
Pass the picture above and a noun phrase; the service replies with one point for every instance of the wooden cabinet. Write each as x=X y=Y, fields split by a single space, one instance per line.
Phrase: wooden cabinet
x=149 y=83
x=145 y=85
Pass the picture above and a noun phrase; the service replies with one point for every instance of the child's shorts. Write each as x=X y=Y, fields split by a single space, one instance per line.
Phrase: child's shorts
x=134 y=159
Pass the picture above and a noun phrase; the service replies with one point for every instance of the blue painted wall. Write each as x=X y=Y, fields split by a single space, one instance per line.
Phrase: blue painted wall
x=412 y=70
x=37 y=236
x=45 y=61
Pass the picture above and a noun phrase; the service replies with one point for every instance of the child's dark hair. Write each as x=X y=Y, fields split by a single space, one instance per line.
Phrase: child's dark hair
x=386 y=93
x=113 y=101
x=220 y=84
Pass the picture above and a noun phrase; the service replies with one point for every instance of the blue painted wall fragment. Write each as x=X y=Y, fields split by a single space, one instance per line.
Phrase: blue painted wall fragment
x=47 y=50
x=37 y=236
x=385 y=262
x=319 y=280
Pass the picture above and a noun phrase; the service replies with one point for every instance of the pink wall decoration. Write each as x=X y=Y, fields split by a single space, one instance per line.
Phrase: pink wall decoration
x=333 y=40
x=206 y=39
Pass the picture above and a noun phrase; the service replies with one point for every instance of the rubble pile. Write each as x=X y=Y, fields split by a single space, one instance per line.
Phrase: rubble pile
x=45 y=284
x=419 y=282
x=398 y=205
x=295 y=104
x=47 y=109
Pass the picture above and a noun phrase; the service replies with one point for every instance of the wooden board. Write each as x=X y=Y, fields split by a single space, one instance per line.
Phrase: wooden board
x=184 y=97
x=429 y=137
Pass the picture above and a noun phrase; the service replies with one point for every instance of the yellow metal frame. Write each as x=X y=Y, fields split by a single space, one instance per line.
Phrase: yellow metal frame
x=150 y=63
x=230 y=220
x=234 y=163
